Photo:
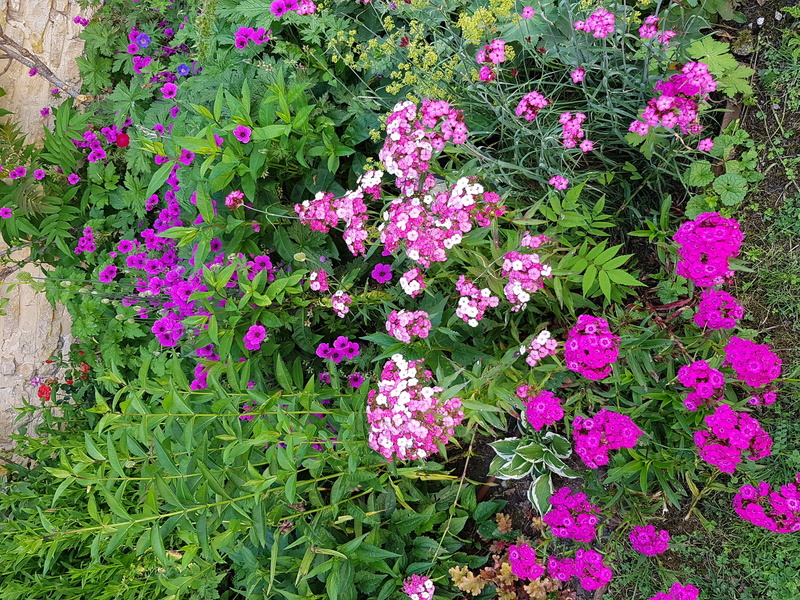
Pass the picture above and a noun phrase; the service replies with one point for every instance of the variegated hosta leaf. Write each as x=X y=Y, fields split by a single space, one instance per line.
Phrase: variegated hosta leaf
x=539 y=493
x=505 y=448
x=516 y=468
x=532 y=452
x=556 y=465
x=559 y=445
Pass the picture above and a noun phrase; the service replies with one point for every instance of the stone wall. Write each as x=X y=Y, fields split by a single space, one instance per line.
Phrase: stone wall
x=46 y=28
x=32 y=330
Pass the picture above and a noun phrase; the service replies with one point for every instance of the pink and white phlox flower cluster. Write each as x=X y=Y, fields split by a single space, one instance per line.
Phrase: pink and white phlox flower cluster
x=607 y=430
x=542 y=345
x=571 y=131
x=414 y=135
x=600 y=23
x=572 y=516
x=717 y=309
x=489 y=56
x=755 y=364
x=419 y=587
x=591 y=348
x=731 y=433
x=530 y=105
x=412 y=282
x=587 y=566
x=679 y=101
x=778 y=510
x=648 y=540
x=542 y=409
x=405 y=324
x=678 y=591
x=707 y=384
x=533 y=241
x=525 y=274
x=705 y=246
x=318 y=281
x=341 y=301
x=406 y=418
x=428 y=227
x=522 y=559
x=474 y=301
x=318 y=213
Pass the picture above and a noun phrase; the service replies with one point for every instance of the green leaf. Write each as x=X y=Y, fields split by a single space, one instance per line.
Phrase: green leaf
x=732 y=188
x=605 y=284
x=588 y=279
x=157 y=543
x=699 y=174
x=622 y=277
x=506 y=448
x=282 y=374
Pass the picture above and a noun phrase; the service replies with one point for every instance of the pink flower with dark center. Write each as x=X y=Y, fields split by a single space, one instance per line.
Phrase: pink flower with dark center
x=169 y=91
x=242 y=133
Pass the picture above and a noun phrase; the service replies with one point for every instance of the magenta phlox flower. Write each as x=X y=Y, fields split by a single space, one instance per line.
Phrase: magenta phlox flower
x=254 y=337
x=522 y=559
x=382 y=273
x=572 y=516
x=717 y=309
x=594 y=437
x=755 y=364
x=541 y=346
x=169 y=90
x=730 y=434
x=678 y=591
x=108 y=274
x=418 y=587
x=707 y=384
x=777 y=510
x=600 y=23
x=542 y=408
x=406 y=324
x=242 y=133
x=647 y=540
x=591 y=348
x=5 y=213
x=705 y=246
x=530 y=105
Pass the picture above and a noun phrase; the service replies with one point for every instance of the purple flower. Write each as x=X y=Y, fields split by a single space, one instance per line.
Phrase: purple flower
x=183 y=69
x=241 y=42
x=355 y=380
x=173 y=112
x=186 y=157
x=143 y=40
x=38 y=174
x=325 y=377
x=45 y=112
x=5 y=213
x=254 y=337
x=125 y=246
x=73 y=179
x=169 y=90
x=133 y=48
x=33 y=72
x=382 y=273
x=158 y=128
x=108 y=274
x=218 y=140
x=324 y=351
x=278 y=8
x=242 y=133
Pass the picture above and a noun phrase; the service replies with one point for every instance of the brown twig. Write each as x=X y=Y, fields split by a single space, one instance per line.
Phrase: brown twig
x=14 y=51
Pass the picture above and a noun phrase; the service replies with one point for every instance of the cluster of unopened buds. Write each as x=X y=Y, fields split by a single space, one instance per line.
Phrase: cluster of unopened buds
x=340 y=302
x=649 y=540
x=705 y=246
x=522 y=559
x=707 y=384
x=679 y=102
x=777 y=510
x=407 y=418
x=489 y=56
x=730 y=433
x=406 y=324
x=717 y=309
x=526 y=275
x=591 y=348
x=587 y=566
x=473 y=301
x=572 y=516
x=541 y=346
x=541 y=409
x=595 y=437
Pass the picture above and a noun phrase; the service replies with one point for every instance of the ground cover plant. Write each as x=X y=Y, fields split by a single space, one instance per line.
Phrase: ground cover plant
x=333 y=266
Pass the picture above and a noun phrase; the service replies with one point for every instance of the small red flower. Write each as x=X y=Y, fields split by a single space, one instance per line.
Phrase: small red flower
x=48 y=361
x=123 y=140
x=84 y=367
x=514 y=72
x=83 y=376
x=44 y=392
x=69 y=381
x=542 y=50
x=80 y=352
x=404 y=41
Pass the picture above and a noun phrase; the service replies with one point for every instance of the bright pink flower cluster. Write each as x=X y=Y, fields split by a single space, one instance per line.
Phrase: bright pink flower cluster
x=600 y=23
x=731 y=433
x=406 y=418
x=707 y=384
x=530 y=105
x=542 y=409
x=522 y=559
x=705 y=246
x=649 y=30
x=405 y=324
x=525 y=274
x=678 y=591
x=764 y=397
x=542 y=345
x=591 y=348
x=86 y=242
x=559 y=182
x=412 y=282
x=474 y=301
x=489 y=56
x=413 y=135
x=572 y=133
x=318 y=281
x=341 y=349
x=419 y=587
x=607 y=430
x=679 y=101
x=755 y=364
x=340 y=302
x=717 y=309
x=587 y=566
x=648 y=540
x=777 y=510
x=254 y=337
x=572 y=516
x=324 y=212
x=234 y=200
x=429 y=227
x=245 y=35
